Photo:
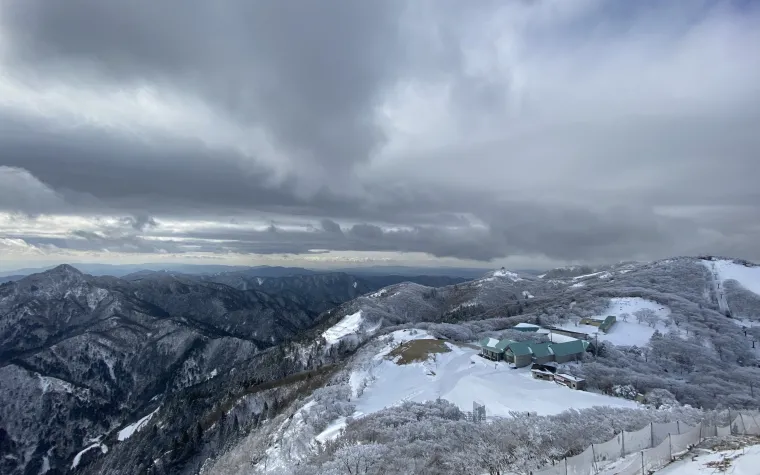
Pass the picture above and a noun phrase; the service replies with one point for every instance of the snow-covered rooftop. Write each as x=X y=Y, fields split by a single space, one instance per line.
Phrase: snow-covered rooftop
x=526 y=325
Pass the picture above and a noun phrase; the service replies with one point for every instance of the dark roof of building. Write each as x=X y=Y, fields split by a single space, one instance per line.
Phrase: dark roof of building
x=544 y=367
x=491 y=344
x=541 y=350
x=504 y=344
x=607 y=323
x=568 y=348
x=519 y=348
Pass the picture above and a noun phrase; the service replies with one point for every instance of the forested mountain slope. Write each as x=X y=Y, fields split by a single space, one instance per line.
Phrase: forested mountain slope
x=220 y=370
x=80 y=354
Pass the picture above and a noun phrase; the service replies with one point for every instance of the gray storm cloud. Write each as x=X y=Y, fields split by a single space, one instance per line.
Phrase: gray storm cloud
x=595 y=130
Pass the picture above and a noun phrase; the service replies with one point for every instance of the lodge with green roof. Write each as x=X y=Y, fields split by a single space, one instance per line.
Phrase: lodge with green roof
x=526 y=353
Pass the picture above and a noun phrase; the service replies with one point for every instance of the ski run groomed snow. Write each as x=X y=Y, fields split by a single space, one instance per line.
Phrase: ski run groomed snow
x=748 y=277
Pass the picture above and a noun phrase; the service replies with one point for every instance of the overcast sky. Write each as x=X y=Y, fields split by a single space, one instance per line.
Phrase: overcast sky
x=525 y=133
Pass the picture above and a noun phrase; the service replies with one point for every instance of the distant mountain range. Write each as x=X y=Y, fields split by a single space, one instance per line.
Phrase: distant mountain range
x=121 y=270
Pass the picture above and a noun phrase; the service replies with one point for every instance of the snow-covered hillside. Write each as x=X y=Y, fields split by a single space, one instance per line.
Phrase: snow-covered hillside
x=744 y=461
x=462 y=377
x=503 y=273
x=748 y=277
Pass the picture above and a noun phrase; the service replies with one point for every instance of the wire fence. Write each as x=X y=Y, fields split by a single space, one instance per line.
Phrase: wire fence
x=648 y=449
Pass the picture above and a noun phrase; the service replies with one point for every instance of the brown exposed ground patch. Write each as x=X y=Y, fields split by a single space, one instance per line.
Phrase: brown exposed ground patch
x=417 y=350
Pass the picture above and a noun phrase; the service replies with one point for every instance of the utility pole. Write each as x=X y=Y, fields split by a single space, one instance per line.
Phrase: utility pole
x=596 y=345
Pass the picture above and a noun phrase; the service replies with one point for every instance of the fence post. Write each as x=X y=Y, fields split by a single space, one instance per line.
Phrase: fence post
x=593 y=463
x=700 y=430
x=678 y=426
x=651 y=434
x=622 y=443
x=642 y=463
x=565 y=465
x=744 y=426
x=670 y=447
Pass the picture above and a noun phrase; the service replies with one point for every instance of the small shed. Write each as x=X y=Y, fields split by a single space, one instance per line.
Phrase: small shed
x=542 y=375
x=542 y=352
x=570 y=381
x=526 y=327
x=569 y=351
x=543 y=372
x=518 y=353
x=607 y=323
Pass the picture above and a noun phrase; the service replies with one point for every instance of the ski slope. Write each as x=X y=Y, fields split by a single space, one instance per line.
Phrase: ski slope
x=748 y=277
x=462 y=377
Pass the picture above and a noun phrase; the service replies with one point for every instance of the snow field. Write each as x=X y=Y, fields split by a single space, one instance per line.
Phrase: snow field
x=626 y=333
x=462 y=377
x=745 y=461
x=347 y=326
x=78 y=457
x=127 y=432
x=508 y=274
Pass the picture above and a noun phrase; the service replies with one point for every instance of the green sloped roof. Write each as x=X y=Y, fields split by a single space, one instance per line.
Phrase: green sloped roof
x=484 y=343
x=608 y=322
x=519 y=348
x=503 y=344
x=568 y=348
x=541 y=350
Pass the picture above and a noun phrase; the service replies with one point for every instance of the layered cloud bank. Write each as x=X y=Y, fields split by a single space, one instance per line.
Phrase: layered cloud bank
x=549 y=130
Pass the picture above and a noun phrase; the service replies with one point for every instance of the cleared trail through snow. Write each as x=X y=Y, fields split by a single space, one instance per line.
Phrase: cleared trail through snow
x=719 y=290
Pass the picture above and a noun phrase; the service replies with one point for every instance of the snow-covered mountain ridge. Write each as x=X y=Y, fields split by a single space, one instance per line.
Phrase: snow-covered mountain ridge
x=689 y=352
x=218 y=365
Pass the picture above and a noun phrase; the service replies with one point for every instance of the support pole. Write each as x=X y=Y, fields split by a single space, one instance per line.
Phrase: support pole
x=670 y=447
x=642 y=462
x=622 y=444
